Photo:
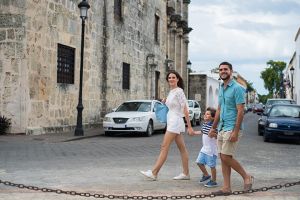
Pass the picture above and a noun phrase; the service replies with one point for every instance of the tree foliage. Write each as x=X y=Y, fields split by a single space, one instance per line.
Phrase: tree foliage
x=249 y=86
x=271 y=75
x=263 y=98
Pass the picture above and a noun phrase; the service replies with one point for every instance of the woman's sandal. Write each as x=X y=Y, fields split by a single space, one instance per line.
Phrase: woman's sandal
x=248 y=186
x=221 y=193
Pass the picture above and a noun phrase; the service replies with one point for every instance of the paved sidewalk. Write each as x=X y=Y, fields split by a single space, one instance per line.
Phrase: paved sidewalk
x=106 y=165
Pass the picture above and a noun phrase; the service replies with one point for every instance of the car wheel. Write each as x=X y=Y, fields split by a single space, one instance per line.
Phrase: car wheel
x=260 y=133
x=266 y=138
x=193 y=121
x=106 y=133
x=198 y=122
x=149 y=131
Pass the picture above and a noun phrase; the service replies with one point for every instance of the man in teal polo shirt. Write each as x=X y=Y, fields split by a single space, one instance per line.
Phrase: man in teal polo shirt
x=228 y=120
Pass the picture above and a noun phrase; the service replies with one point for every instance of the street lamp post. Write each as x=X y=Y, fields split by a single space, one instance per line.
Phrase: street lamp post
x=292 y=76
x=83 y=6
x=280 y=84
x=189 y=69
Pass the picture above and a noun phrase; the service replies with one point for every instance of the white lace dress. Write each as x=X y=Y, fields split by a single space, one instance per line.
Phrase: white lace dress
x=176 y=101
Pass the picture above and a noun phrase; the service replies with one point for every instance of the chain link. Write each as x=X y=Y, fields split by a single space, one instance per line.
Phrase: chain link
x=111 y=196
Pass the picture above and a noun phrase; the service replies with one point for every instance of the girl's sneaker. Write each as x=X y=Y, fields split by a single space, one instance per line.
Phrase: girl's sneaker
x=204 y=178
x=211 y=183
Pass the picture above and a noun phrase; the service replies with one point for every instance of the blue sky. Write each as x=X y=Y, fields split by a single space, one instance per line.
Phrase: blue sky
x=247 y=33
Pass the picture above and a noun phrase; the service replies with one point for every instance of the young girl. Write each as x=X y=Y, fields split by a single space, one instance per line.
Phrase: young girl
x=208 y=153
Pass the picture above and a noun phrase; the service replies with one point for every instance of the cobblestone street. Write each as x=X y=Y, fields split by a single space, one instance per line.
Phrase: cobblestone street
x=110 y=165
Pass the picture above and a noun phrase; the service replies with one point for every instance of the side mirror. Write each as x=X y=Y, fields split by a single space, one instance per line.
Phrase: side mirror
x=114 y=109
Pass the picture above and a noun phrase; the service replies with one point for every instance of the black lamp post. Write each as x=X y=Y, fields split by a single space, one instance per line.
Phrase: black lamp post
x=292 y=76
x=83 y=6
x=281 y=85
x=189 y=69
x=280 y=74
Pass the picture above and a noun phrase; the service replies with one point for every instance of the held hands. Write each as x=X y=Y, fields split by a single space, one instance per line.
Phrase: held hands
x=191 y=131
x=212 y=133
x=195 y=133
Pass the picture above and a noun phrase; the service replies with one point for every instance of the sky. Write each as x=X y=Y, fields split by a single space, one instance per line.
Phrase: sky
x=246 y=33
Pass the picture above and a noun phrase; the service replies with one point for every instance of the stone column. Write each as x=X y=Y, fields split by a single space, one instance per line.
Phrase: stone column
x=186 y=30
x=184 y=58
x=172 y=38
x=178 y=50
x=185 y=10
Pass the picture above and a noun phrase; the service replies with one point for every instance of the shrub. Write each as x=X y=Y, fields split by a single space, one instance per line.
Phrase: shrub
x=4 y=124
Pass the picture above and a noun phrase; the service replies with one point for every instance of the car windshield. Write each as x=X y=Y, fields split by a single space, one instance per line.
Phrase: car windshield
x=260 y=106
x=285 y=111
x=134 y=107
x=190 y=104
x=279 y=101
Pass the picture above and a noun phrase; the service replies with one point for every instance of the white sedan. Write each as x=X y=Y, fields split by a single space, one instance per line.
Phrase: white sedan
x=194 y=112
x=133 y=116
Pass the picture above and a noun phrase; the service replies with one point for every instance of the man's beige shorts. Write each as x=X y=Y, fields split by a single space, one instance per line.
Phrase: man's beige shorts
x=224 y=145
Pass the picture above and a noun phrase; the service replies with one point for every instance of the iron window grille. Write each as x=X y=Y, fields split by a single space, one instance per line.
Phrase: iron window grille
x=126 y=76
x=65 y=64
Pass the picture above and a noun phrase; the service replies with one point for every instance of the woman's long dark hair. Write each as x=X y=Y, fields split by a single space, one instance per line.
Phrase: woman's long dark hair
x=180 y=81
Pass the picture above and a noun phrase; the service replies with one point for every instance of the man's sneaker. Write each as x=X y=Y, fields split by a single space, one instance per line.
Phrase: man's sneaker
x=149 y=175
x=211 y=183
x=182 y=176
x=204 y=178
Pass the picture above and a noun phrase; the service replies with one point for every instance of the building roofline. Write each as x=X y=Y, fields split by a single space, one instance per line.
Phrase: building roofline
x=298 y=32
x=293 y=57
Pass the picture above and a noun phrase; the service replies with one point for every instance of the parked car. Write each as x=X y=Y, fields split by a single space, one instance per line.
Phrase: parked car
x=194 y=112
x=282 y=122
x=133 y=116
x=258 y=108
x=247 y=108
x=269 y=103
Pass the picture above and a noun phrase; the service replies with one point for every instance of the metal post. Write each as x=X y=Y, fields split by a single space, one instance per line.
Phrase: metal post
x=79 y=130
x=281 y=85
x=292 y=86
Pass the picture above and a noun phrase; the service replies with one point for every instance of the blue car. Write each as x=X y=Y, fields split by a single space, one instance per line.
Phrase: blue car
x=282 y=122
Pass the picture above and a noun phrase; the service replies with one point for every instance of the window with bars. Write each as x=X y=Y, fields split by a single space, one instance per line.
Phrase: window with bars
x=118 y=9
x=65 y=64
x=126 y=76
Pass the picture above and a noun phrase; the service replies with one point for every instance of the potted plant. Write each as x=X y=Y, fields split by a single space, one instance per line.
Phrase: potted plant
x=4 y=124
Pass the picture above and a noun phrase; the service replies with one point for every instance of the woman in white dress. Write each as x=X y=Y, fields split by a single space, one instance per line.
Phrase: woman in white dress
x=178 y=108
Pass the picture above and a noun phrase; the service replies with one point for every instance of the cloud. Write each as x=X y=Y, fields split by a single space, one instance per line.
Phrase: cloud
x=277 y=7
x=246 y=33
x=247 y=25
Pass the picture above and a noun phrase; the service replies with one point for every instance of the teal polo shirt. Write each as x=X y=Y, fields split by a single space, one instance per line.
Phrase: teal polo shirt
x=233 y=95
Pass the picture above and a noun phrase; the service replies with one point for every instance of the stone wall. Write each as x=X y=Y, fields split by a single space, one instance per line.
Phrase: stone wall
x=13 y=64
x=198 y=85
x=29 y=34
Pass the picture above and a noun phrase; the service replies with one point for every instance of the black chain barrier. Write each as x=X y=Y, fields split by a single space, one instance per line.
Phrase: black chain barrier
x=111 y=196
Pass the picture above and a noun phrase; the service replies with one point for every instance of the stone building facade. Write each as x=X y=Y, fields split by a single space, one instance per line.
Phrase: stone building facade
x=129 y=47
x=205 y=87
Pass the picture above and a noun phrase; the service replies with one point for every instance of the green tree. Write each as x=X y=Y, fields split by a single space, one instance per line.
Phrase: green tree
x=263 y=98
x=249 y=86
x=271 y=76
